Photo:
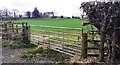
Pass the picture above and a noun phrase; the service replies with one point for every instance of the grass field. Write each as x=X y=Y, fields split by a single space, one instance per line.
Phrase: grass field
x=55 y=22
x=71 y=23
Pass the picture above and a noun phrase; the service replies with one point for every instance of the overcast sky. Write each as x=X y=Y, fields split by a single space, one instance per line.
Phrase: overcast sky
x=60 y=7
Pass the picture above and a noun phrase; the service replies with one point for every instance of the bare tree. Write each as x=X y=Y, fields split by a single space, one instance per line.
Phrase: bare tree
x=6 y=13
x=36 y=13
x=28 y=14
x=0 y=14
x=15 y=11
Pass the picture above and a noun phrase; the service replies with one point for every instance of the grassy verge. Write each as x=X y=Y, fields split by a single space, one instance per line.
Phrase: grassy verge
x=15 y=45
x=22 y=45
x=40 y=52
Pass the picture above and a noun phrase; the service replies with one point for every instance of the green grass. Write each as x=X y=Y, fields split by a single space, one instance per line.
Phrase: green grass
x=71 y=23
x=54 y=22
x=23 y=45
x=41 y=52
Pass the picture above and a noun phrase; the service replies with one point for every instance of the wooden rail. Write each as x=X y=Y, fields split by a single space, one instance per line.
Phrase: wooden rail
x=15 y=31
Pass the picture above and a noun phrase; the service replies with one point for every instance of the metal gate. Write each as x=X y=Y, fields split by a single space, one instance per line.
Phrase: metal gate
x=62 y=39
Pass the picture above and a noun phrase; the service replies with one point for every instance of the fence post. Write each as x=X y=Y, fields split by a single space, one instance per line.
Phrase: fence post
x=26 y=37
x=49 y=38
x=23 y=32
x=84 y=45
x=28 y=32
x=3 y=30
x=6 y=31
x=16 y=28
x=12 y=24
x=63 y=38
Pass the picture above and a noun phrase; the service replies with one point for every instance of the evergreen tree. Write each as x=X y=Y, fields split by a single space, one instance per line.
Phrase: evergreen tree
x=35 y=13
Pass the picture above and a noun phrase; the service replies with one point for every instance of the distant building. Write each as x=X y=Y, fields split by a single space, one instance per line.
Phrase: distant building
x=48 y=14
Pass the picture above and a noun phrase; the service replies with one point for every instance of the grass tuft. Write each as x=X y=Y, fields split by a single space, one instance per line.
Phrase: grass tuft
x=22 y=45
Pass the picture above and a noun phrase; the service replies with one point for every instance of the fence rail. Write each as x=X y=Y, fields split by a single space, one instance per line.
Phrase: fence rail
x=61 y=39
x=73 y=44
x=65 y=42
x=13 y=31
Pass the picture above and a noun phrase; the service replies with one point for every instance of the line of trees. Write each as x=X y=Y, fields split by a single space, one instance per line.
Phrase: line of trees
x=6 y=14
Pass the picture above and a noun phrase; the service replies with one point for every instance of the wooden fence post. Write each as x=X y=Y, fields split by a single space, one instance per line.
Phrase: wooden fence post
x=2 y=30
x=29 y=33
x=23 y=33
x=26 y=34
x=84 y=45
x=17 y=29
x=12 y=24
x=49 y=38
x=5 y=31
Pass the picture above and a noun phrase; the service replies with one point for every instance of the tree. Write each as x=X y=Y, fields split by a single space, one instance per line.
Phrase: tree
x=52 y=14
x=28 y=14
x=6 y=13
x=15 y=11
x=35 y=13
x=20 y=16
x=62 y=16
x=0 y=14
x=105 y=16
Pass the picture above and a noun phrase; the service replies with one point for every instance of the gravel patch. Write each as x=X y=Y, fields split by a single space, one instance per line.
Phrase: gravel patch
x=13 y=56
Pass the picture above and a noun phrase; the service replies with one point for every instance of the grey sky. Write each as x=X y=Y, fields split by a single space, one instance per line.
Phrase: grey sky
x=60 y=7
